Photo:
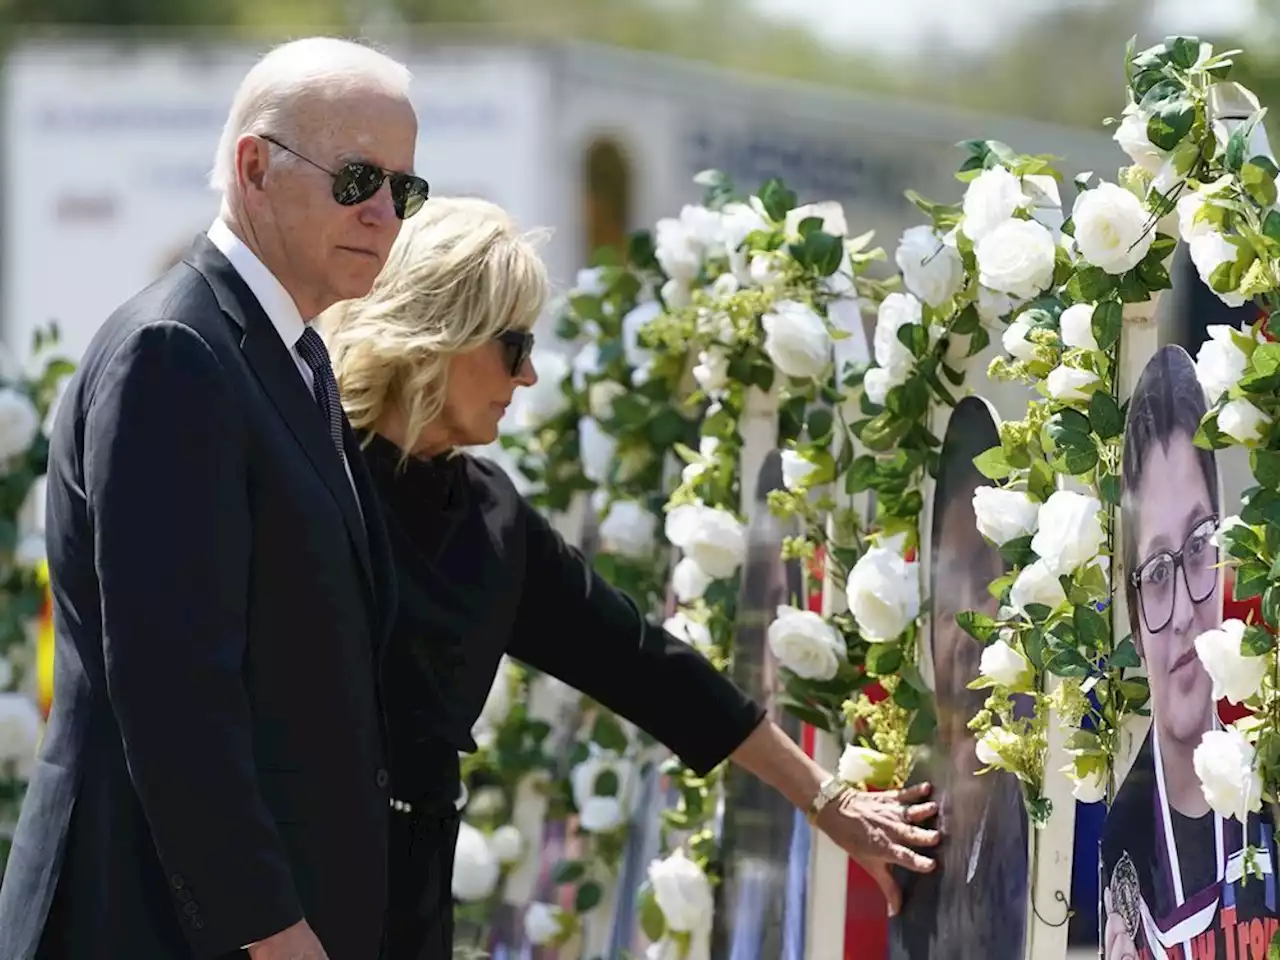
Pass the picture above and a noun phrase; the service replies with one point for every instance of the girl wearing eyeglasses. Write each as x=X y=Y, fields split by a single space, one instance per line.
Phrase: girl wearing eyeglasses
x=427 y=364
x=1173 y=883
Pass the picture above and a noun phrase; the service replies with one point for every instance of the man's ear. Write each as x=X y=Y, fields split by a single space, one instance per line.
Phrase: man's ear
x=253 y=157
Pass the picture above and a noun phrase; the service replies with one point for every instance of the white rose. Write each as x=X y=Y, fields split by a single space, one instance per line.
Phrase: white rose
x=861 y=767
x=541 y=402
x=590 y=282
x=689 y=581
x=806 y=644
x=600 y=814
x=681 y=626
x=1006 y=666
x=19 y=423
x=877 y=382
x=737 y=222
x=596 y=450
x=20 y=727
x=629 y=530
x=1189 y=226
x=542 y=923
x=1220 y=363
x=507 y=844
x=636 y=320
x=1091 y=787
x=600 y=397
x=896 y=311
x=796 y=470
x=1076 y=326
x=603 y=774
x=1036 y=584
x=765 y=270
x=1015 y=342
x=996 y=746
x=682 y=891
x=1016 y=258
x=1111 y=228
x=475 y=869
x=712 y=370
x=1070 y=531
x=1210 y=250
x=676 y=294
x=1004 y=515
x=677 y=249
x=796 y=339
x=498 y=703
x=1068 y=384
x=990 y=200
x=993 y=305
x=1227 y=523
x=1224 y=762
x=883 y=593
x=930 y=268
x=829 y=212
x=1235 y=676
x=1132 y=137
x=1242 y=421
x=585 y=364
x=715 y=539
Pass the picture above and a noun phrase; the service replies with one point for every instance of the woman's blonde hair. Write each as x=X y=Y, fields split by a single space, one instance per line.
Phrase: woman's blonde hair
x=458 y=275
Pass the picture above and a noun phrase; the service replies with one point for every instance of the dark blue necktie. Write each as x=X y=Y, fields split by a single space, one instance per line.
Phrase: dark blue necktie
x=313 y=352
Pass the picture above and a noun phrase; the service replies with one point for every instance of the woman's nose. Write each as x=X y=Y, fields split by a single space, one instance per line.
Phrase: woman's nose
x=527 y=376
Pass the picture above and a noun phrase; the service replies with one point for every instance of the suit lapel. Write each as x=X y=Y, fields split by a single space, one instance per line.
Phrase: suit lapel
x=279 y=376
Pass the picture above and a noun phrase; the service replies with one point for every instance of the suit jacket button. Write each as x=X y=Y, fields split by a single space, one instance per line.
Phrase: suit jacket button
x=183 y=895
x=197 y=923
x=382 y=778
x=190 y=909
x=177 y=881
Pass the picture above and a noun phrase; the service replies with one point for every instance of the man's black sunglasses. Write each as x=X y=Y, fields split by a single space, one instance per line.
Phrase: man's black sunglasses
x=357 y=182
x=517 y=346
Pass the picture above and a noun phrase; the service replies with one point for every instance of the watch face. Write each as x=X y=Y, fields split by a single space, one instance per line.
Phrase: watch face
x=1125 y=894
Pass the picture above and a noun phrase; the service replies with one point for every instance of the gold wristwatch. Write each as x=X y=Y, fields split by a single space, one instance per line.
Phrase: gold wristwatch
x=831 y=788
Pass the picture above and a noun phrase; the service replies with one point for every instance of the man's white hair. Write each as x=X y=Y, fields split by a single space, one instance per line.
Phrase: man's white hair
x=267 y=99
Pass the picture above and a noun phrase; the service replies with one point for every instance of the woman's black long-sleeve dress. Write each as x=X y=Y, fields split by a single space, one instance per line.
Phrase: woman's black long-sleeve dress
x=481 y=574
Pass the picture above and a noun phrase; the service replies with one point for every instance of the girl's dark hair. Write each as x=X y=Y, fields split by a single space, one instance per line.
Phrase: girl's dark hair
x=1167 y=403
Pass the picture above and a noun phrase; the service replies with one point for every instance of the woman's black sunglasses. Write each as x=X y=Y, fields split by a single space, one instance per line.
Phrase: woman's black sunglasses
x=357 y=182
x=517 y=347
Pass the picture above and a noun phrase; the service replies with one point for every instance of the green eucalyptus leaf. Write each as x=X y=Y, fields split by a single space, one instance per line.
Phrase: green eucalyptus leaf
x=1104 y=415
x=993 y=464
x=1257 y=641
x=978 y=625
x=568 y=871
x=652 y=920
x=1170 y=122
x=1125 y=655
x=923 y=726
x=588 y=897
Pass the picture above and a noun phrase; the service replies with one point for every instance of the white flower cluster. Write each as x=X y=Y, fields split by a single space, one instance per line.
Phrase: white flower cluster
x=479 y=859
x=1220 y=365
x=883 y=591
x=1066 y=534
x=604 y=790
x=683 y=893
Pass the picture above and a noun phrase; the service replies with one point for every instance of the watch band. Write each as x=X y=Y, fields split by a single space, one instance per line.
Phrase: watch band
x=831 y=788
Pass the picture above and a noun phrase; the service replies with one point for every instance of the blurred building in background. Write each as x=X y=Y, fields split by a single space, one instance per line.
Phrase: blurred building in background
x=107 y=148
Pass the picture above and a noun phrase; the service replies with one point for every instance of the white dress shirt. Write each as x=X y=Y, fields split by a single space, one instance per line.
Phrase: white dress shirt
x=278 y=305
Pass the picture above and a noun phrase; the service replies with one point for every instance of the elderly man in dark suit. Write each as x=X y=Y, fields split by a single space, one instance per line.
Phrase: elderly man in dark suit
x=213 y=780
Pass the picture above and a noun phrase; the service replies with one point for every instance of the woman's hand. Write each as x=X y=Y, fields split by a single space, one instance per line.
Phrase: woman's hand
x=879 y=829
x=1118 y=945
